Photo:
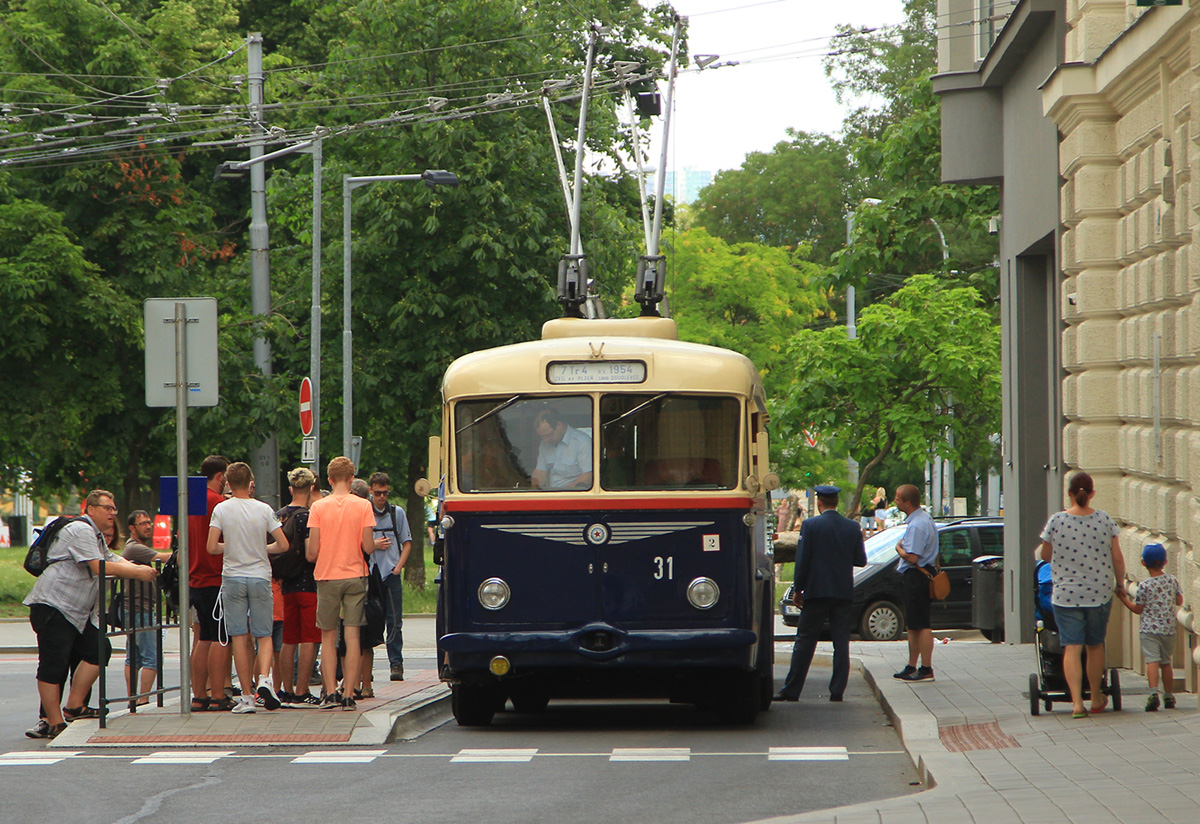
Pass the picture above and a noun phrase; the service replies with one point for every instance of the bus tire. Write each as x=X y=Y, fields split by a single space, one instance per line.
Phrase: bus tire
x=473 y=705
x=741 y=700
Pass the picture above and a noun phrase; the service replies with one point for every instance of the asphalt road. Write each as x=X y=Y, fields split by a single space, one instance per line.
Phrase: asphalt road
x=579 y=762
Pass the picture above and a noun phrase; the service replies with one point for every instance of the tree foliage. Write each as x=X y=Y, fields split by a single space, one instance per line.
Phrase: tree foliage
x=793 y=195
x=745 y=296
x=436 y=273
x=925 y=363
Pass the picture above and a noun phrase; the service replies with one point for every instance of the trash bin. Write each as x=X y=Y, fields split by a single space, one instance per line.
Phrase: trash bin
x=18 y=530
x=987 y=602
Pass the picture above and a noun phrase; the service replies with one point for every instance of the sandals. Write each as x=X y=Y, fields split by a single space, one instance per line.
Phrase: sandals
x=1103 y=706
x=1083 y=714
x=200 y=704
x=221 y=705
x=78 y=713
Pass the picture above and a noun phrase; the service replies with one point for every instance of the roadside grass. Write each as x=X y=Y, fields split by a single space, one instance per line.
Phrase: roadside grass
x=15 y=584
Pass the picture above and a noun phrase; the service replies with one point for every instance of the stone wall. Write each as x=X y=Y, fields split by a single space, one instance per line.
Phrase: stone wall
x=1128 y=115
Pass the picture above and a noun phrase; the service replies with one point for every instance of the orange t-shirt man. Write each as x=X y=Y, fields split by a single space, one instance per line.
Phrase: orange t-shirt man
x=341 y=519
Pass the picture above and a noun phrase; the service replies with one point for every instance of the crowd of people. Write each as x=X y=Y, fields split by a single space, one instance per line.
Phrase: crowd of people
x=267 y=591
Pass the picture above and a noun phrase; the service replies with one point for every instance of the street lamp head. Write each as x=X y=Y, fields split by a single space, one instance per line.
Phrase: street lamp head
x=439 y=177
x=228 y=171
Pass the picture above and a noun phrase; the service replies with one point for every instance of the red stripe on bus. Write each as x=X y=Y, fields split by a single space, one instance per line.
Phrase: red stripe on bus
x=593 y=504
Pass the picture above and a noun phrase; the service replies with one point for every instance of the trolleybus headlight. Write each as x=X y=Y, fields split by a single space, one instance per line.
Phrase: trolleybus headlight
x=499 y=665
x=494 y=594
x=703 y=593
x=749 y=519
x=447 y=522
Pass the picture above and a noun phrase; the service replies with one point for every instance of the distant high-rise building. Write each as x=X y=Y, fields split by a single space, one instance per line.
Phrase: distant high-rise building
x=685 y=186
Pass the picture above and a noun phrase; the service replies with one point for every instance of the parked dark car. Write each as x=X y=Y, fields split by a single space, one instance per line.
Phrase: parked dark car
x=879 y=589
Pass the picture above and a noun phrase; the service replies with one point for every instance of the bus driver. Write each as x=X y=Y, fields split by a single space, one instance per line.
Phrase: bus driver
x=564 y=455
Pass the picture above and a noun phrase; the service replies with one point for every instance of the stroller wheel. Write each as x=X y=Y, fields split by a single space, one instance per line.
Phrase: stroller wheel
x=1114 y=688
x=1034 y=698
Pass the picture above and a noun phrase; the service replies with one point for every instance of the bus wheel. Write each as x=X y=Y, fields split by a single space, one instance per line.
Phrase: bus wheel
x=741 y=699
x=473 y=705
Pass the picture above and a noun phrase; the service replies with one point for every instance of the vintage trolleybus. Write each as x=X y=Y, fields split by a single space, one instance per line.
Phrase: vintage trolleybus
x=604 y=529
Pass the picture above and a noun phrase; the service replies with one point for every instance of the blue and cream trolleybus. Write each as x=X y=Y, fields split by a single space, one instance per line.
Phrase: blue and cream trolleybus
x=603 y=513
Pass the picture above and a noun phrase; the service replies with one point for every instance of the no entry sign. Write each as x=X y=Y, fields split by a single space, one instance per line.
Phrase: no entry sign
x=306 y=416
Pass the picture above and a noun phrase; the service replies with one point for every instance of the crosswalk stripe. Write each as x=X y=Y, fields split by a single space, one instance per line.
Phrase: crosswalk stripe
x=183 y=757
x=338 y=757
x=808 y=754
x=493 y=756
x=35 y=758
x=651 y=754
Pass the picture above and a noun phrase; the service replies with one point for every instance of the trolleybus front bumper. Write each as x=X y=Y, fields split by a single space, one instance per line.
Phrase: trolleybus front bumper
x=600 y=643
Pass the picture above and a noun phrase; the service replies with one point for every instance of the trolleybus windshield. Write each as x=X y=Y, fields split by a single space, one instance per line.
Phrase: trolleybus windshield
x=648 y=441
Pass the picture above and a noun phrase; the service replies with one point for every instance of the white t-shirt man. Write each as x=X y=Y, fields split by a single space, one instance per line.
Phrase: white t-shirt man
x=246 y=524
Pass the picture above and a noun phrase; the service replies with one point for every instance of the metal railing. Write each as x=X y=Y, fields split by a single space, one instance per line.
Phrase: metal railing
x=115 y=593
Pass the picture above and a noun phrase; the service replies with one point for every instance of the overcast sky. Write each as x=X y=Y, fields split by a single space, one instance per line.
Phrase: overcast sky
x=721 y=114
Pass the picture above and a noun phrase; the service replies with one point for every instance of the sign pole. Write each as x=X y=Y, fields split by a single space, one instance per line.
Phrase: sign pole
x=181 y=509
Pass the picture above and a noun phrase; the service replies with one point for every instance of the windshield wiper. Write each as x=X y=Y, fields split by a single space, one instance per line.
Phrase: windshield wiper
x=498 y=408
x=635 y=409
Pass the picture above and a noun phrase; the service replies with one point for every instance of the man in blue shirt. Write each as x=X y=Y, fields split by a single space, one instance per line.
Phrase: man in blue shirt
x=918 y=551
x=830 y=547
x=564 y=455
x=393 y=543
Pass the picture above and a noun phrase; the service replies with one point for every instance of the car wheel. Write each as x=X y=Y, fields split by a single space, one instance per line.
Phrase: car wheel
x=881 y=621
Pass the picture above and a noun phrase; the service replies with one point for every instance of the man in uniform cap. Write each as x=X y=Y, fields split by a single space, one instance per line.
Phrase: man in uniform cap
x=830 y=546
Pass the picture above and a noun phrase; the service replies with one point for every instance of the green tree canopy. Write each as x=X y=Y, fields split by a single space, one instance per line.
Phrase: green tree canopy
x=925 y=363
x=743 y=296
x=793 y=195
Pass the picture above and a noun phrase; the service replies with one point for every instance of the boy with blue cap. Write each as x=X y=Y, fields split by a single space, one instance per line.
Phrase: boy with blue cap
x=1155 y=600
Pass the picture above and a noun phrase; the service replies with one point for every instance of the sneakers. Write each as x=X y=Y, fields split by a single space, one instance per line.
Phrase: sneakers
x=348 y=704
x=330 y=702
x=397 y=672
x=245 y=704
x=1169 y=701
x=904 y=674
x=266 y=698
x=286 y=698
x=919 y=674
x=1152 y=702
x=303 y=702
x=39 y=730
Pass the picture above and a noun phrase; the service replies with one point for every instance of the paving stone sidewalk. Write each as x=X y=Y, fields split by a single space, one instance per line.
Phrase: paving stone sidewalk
x=971 y=734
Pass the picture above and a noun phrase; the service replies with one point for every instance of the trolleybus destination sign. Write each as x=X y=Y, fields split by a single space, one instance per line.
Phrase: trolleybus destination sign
x=572 y=372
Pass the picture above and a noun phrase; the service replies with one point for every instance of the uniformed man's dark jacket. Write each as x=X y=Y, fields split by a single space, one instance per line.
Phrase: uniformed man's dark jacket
x=831 y=545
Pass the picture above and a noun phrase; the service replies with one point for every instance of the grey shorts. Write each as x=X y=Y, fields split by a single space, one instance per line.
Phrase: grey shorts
x=248 y=606
x=1157 y=649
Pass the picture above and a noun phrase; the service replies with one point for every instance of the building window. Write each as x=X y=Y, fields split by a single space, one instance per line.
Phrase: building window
x=986 y=26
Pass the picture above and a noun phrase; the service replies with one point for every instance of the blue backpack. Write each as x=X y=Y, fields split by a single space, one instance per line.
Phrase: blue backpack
x=38 y=557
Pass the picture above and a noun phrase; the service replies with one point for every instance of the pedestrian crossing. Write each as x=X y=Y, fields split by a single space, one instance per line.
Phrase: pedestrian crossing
x=617 y=755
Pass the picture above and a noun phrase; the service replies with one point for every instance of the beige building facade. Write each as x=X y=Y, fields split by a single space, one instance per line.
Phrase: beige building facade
x=1120 y=89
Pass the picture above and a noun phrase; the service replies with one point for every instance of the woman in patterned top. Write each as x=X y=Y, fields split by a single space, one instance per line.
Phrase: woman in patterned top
x=1085 y=557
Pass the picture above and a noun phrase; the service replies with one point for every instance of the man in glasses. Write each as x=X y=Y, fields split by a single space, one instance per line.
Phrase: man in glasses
x=393 y=542
x=62 y=611
x=138 y=605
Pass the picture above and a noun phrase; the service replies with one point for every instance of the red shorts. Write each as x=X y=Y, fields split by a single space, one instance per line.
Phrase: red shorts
x=300 y=618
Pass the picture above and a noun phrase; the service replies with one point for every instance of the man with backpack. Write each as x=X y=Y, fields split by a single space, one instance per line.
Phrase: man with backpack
x=393 y=542
x=299 y=589
x=62 y=611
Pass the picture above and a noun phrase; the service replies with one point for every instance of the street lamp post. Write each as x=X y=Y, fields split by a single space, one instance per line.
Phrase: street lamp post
x=432 y=178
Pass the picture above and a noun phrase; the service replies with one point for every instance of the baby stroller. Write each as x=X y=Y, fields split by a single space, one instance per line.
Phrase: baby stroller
x=1049 y=684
